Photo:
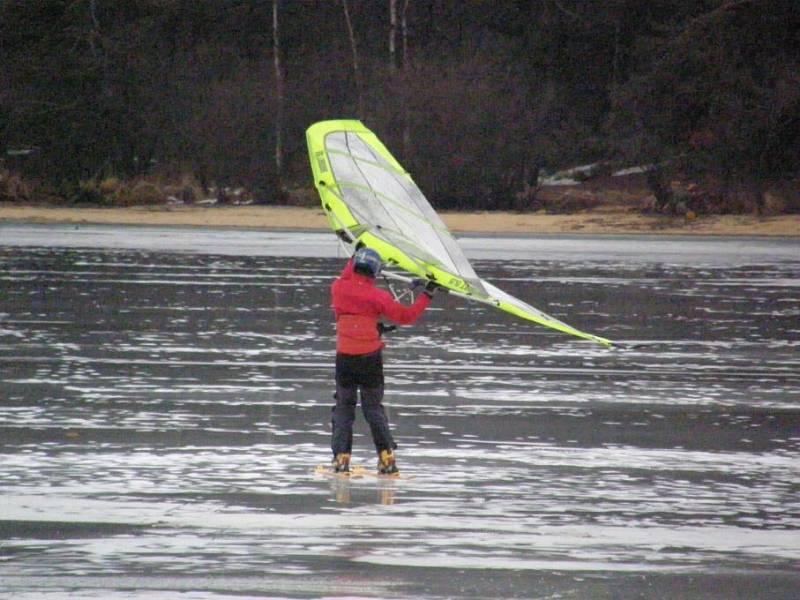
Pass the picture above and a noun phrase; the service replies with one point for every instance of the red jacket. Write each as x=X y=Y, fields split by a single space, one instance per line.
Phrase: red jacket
x=358 y=304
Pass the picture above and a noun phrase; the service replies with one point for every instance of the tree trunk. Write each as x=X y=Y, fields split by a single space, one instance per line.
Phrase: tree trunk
x=393 y=35
x=98 y=54
x=615 y=59
x=404 y=84
x=279 y=90
x=356 y=70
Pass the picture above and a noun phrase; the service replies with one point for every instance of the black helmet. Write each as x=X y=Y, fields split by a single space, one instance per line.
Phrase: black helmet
x=367 y=262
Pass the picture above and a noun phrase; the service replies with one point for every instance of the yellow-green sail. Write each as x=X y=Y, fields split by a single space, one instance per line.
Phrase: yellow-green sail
x=369 y=198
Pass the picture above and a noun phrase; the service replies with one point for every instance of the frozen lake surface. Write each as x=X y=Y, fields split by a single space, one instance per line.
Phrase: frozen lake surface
x=166 y=393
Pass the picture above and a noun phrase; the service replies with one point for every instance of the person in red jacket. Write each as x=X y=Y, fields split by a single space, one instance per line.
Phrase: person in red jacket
x=358 y=305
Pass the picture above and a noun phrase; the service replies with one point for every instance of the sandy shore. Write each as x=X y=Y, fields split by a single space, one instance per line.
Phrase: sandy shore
x=610 y=220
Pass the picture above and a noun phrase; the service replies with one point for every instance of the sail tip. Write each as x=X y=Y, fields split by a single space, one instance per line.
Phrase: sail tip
x=609 y=344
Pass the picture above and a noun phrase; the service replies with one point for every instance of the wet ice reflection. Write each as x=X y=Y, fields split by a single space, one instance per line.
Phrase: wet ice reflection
x=163 y=413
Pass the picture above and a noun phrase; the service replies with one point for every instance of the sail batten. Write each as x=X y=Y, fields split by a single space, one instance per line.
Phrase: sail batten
x=367 y=193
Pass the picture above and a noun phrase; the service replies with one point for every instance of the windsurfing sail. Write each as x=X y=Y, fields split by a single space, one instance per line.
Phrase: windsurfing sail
x=370 y=198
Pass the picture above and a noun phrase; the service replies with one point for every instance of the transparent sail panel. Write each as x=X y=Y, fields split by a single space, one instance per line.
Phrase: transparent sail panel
x=358 y=196
x=384 y=198
x=499 y=294
x=359 y=148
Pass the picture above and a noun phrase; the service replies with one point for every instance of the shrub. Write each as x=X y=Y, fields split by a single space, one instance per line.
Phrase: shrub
x=13 y=188
x=144 y=193
x=88 y=192
x=300 y=196
x=187 y=189
x=783 y=198
x=110 y=186
x=113 y=192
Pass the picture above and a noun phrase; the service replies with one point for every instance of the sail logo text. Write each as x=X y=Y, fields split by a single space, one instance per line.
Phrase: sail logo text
x=458 y=283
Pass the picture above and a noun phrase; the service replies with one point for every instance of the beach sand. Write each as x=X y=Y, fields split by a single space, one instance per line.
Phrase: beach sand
x=605 y=220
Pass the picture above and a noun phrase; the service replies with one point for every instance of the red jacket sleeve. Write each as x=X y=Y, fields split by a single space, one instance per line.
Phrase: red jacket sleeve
x=347 y=272
x=400 y=313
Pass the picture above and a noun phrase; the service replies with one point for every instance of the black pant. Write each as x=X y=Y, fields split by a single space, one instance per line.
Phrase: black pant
x=353 y=373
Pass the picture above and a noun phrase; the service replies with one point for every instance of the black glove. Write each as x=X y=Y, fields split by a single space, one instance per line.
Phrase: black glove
x=431 y=287
x=385 y=329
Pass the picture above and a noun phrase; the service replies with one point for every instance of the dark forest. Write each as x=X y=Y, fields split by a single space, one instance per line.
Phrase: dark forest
x=116 y=101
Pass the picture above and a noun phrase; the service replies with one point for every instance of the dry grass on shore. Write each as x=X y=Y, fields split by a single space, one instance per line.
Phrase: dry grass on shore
x=604 y=220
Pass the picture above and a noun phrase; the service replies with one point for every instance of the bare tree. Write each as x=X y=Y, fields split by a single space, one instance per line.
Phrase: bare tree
x=400 y=79
x=354 y=50
x=393 y=35
x=95 y=43
x=279 y=88
x=406 y=111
